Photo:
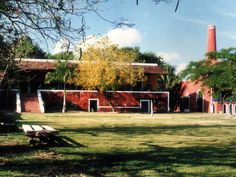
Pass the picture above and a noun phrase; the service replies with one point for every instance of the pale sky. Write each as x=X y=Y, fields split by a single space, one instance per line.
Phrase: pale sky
x=178 y=37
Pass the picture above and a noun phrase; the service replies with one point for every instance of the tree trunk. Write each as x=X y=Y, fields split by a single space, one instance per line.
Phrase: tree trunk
x=110 y=104
x=64 y=99
x=109 y=96
x=151 y=107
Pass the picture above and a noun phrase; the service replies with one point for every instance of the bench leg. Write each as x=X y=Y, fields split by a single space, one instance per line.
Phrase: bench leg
x=32 y=141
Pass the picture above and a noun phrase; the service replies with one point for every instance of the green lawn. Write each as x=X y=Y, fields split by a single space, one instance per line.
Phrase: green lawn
x=111 y=144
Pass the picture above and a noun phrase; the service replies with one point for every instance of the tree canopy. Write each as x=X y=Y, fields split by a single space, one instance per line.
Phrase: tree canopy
x=106 y=67
x=216 y=72
x=24 y=47
x=145 y=57
x=48 y=18
x=61 y=56
x=63 y=74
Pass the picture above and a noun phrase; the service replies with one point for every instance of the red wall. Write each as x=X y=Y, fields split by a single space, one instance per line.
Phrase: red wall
x=122 y=101
x=189 y=88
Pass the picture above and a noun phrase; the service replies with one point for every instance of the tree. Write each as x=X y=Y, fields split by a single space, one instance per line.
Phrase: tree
x=61 y=56
x=151 y=57
x=146 y=57
x=48 y=19
x=24 y=47
x=63 y=73
x=51 y=19
x=157 y=1
x=106 y=68
x=170 y=82
x=7 y=65
x=216 y=72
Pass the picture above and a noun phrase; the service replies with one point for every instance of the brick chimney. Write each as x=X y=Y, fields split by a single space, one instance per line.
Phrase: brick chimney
x=211 y=41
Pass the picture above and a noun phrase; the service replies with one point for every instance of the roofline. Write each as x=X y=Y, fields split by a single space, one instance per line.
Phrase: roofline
x=145 y=64
x=74 y=61
x=42 y=60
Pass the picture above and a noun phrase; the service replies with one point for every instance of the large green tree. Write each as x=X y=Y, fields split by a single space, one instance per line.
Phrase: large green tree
x=65 y=74
x=218 y=72
x=61 y=56
x=24 y=47
x=145 y=57
x=170 y=82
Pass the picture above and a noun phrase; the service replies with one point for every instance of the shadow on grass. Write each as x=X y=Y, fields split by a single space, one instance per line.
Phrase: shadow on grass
x=145 y=130
x=160 y=160
x=9 y=122
x=14 y=149
x=64 y=141
x=155 y=160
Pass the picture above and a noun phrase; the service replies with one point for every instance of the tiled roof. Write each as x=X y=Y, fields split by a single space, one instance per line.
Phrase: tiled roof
x=150 y=68
x=49 y=64
x=36 y=64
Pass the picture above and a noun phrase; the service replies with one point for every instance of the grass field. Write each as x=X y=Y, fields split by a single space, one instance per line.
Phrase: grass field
x=111 y=144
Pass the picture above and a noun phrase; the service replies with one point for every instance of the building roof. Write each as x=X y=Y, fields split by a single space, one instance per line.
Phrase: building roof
x=49 y=64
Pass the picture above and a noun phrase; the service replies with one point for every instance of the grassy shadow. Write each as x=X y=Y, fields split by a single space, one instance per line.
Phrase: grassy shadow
x=150 y=156
x=64 y=141
x=159 y=160
x=146 y=130
x=9 y=122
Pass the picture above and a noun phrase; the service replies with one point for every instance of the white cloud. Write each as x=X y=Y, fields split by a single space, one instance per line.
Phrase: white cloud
x=90 y=40
x=124 y=36
x=180 y=67
x=61 y=46
x=170 y=57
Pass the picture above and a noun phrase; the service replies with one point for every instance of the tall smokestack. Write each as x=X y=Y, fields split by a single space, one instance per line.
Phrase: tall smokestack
x=211 y=41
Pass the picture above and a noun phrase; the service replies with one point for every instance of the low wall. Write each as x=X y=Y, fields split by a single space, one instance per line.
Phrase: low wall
x=120 y=101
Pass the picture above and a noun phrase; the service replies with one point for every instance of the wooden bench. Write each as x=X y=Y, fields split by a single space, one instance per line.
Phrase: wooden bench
x=43 y=133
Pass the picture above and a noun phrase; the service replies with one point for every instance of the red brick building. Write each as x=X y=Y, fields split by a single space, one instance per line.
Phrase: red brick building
x=195 y=98
x=32 y=95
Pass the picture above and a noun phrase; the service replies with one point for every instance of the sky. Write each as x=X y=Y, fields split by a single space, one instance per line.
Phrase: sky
x=179 y=37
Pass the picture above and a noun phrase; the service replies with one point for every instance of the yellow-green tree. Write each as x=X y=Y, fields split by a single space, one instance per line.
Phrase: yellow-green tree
x=106 y=68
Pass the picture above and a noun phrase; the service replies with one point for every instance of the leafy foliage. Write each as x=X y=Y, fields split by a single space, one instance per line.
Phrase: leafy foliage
x=170 y=82
x=51 y=19
x=146 y=57
x=5 y=53
x=61 y=56
x=106 y=67
x=63 y=73
x=217 y=72
x=25 y=48
x=48 y=18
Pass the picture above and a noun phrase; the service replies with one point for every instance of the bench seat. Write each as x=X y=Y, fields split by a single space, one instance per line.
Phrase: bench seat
x=41 y=132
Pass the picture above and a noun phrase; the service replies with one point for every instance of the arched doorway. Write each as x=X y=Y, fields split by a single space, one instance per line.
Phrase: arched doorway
x=212 y=108
x=199 y=101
